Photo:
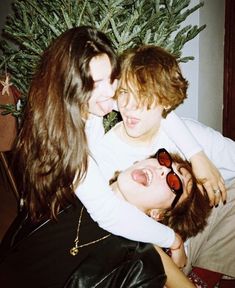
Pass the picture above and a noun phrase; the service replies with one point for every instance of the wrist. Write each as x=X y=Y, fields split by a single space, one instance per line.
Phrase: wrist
x=177 y=243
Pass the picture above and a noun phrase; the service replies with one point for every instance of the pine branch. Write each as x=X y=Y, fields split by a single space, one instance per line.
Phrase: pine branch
x=33 y=24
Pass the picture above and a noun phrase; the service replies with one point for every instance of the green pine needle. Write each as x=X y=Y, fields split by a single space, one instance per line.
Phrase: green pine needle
x=33 y=24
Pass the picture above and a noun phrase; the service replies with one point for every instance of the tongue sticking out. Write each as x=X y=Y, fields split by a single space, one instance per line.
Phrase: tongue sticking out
x=139 y=176
x=106 y=105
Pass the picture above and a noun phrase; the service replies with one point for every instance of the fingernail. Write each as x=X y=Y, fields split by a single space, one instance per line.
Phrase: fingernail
x=224 y=202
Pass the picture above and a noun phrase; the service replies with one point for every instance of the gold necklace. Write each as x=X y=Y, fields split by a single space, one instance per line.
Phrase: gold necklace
x=74 y=250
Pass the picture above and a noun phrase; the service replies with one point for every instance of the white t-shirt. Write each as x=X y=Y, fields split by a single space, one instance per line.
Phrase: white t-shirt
x=113 y=154
x=111 y=213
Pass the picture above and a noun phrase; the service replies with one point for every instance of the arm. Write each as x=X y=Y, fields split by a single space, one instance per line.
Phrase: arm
x=204 y=170
x=181 y=135
x=118 y=216
x=219 y=149
x=175 y=277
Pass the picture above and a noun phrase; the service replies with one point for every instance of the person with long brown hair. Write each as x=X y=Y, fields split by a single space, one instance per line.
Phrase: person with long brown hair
x=71 y=91
x=53 y=233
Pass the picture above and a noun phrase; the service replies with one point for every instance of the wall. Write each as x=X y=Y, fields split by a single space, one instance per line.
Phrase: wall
x=211 y=65
x=205 y=73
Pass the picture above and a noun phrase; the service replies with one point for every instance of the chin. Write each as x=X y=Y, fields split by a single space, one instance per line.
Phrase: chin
x=133 y=134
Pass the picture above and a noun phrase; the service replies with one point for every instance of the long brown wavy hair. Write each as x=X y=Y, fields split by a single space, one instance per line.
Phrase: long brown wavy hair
x=52 y=146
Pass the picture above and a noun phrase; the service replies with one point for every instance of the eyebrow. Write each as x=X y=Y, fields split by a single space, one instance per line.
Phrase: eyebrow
x=98 y=80
x=123 y=89
x=101 y=79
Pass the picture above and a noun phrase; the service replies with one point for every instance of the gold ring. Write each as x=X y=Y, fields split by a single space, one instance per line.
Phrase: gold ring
x=216 y=191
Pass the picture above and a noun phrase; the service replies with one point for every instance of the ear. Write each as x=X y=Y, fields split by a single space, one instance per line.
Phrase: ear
x=168 y=107
x=156 y=214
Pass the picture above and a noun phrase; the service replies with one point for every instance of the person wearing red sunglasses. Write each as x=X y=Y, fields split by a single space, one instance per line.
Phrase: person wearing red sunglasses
x=165 y=188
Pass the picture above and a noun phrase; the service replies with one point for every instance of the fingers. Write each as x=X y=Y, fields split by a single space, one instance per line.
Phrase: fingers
x=217 y=196
x=200 y=187
x=223 y=191
x=216 y=191
x=210 y=192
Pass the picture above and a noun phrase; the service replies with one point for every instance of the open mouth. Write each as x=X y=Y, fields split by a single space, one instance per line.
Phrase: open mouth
x=142 y=176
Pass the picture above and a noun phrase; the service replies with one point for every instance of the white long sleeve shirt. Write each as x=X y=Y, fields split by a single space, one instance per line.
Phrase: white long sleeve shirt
x=113 y=154
x=111 y=213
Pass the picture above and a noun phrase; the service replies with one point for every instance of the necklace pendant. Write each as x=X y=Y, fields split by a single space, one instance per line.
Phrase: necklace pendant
x=74 y=251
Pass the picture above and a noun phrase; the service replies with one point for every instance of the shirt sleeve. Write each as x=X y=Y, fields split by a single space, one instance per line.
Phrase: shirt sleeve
x=118 y=216
x=181 y=135
x=219 y=149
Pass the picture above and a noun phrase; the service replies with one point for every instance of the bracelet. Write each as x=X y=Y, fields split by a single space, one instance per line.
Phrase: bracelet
x=177 y=248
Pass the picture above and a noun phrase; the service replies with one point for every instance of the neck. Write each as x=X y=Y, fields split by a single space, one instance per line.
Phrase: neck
x=145 y=140
x=115 y=188
x=117 y=191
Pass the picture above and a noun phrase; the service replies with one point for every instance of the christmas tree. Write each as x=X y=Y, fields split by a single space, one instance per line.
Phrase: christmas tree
x=33 y=24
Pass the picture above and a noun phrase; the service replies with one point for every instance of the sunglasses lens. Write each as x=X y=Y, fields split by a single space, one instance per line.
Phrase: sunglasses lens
x=164 y=159
x=173 y=181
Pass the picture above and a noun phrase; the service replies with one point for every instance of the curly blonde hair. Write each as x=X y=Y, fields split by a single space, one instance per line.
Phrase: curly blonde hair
x=153 y=75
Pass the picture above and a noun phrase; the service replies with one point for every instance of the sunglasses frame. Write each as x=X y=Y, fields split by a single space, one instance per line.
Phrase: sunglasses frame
x=179 y=191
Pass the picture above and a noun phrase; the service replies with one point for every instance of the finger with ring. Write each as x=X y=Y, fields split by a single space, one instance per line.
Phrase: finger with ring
x=216 y=191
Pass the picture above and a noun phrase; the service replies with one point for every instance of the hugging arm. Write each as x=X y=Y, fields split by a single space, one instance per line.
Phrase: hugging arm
x=118 y=216
x=204 y=170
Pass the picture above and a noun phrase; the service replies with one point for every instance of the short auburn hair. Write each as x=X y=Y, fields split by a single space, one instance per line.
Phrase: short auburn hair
x=190 y=216
x=153 y=75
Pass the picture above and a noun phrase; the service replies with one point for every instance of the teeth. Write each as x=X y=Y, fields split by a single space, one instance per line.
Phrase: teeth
x=149 y=176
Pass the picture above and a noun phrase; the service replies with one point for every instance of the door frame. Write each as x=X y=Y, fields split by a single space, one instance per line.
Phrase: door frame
x=229 y=71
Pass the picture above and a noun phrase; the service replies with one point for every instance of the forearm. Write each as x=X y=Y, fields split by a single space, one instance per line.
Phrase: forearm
x=175 y=277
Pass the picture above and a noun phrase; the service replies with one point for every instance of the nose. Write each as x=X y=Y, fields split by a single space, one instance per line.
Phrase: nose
x=129 y=104
x=162 y=171
x=109 y=89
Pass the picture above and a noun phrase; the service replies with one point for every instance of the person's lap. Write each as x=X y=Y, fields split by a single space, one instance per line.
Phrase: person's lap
x=213 y=249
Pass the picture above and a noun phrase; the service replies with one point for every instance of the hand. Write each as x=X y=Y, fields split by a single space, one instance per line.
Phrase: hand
x=209 y=177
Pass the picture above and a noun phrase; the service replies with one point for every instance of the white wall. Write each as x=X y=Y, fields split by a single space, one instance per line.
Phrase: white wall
x=205 y=73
